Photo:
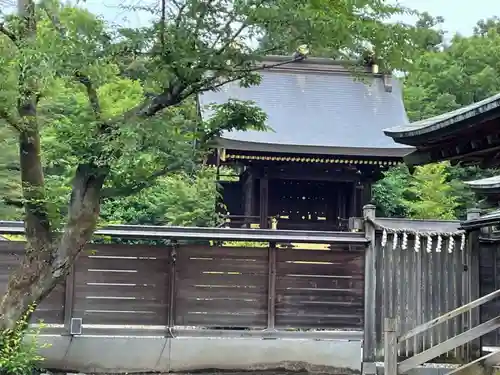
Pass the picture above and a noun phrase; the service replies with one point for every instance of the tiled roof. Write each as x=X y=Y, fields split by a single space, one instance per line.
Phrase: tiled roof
x=319 y=107
x=444 y=120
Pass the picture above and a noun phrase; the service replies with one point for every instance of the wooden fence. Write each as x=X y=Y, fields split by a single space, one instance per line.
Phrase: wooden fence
x=206 y=286
x=489 y=261
x=417 y=284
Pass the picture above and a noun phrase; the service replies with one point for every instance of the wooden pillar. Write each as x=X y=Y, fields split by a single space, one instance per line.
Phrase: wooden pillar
x=271 y=300
x=390 y=347
x=369 y=340
x=367 y=193
x=473 y=281
x=248 y=193
x=69 y=296
x=354 y=200
x=264 y=200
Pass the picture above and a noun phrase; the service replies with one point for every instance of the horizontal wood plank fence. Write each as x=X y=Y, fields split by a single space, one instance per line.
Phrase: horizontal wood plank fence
x=206 y=286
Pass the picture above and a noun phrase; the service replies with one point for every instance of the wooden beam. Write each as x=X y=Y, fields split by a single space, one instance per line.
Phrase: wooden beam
x=456 y=150
x=390 y=347
x=370 y=302
x=449 y=344
x=450 y=315
x=69 y=296
x=264 y=201
x=248 y=195
x=271 y=301
x=488 y=360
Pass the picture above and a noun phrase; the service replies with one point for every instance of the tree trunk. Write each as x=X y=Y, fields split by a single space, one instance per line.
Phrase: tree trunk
x=49 y=253
x=43 y=267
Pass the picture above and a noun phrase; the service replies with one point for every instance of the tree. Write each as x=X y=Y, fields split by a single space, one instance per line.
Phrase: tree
x=444 y=79
x=429 y=37
x=464 y=72
x=431 y=193
x=117 y=103
x=179 y=199
x=389 y=192
x=10 y=187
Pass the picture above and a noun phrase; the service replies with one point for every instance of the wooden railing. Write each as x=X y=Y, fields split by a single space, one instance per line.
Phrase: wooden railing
x=277 y=222
x=392 y=341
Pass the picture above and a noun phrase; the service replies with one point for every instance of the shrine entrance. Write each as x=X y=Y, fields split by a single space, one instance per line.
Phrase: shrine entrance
x=312 y=205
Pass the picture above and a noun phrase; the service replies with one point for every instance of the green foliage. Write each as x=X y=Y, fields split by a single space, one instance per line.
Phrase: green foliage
x=462 y=73
x=180 y=199
x=19 y=353
x=431 y=194
x=388 y=193
x=440 y=189
x=343 y=29
x=10 y=184
x=122 y=100
x=440 y=81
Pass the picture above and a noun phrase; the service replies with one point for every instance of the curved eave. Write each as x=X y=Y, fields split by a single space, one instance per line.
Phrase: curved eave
x=487 y=220
x=485 y=184
x=230 y=144
x=445 y=123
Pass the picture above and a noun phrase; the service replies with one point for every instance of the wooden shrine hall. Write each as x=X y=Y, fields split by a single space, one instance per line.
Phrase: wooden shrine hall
x=316 y=167
x=469 y=135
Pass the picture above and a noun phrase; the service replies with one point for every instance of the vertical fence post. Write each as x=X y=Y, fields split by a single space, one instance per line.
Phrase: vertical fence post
x=171 y=291
x=370 y=302
x=473 y=281
x=69 y=294
x=390 y=347
x=271 y=294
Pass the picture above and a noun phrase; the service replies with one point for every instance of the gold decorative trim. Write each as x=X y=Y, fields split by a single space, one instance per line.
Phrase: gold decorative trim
x=222 y=154
x=313 y=160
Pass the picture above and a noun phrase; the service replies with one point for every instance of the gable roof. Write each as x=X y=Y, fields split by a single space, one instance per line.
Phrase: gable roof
x=317 y=106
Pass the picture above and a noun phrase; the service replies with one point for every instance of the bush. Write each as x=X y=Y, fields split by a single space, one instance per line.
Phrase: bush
x=19 y=356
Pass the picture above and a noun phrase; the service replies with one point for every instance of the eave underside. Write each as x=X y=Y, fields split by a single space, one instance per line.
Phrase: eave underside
x=299 y=150
x=477 y=145
x=247 y=157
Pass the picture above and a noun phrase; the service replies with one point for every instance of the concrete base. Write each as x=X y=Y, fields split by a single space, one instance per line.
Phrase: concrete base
x=427 y=369
x=120 y=354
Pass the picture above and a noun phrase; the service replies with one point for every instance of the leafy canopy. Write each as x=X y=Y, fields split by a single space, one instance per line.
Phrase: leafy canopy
x=444 y=79
x=122 y=99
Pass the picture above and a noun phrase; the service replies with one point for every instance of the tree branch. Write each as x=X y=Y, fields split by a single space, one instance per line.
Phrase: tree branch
x=11 y=120
x=80 y=77
x=210 y=85
x=83 y=213
x=91 y=93
x=138 y=186
x=9 y=34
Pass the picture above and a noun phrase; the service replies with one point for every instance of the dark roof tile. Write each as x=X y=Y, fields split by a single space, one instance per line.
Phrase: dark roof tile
x=319 y=108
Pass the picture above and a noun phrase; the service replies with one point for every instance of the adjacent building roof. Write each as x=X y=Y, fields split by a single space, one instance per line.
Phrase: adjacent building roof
x=485 y=184
x=425 y=129
x=469 y=134
x=490 y=219
x=315 y=106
